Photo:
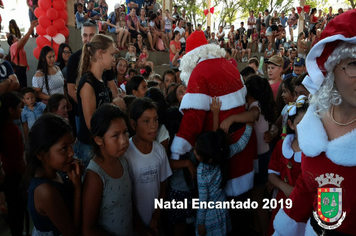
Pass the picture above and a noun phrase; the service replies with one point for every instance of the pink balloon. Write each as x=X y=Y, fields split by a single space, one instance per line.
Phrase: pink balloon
x=44 y=21
x=40 y=30
x=52 y=14
x=51 y=31
x=64 y=31
x=42 y=41
x=39 y=12
x=45 y=4
x=59 y=5
x=63 y=15
x=36 y=52
x=59 y=23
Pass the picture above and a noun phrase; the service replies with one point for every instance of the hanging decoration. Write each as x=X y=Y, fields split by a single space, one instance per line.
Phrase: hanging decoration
x=206 y=11
x=52 y=17
x=306 y=9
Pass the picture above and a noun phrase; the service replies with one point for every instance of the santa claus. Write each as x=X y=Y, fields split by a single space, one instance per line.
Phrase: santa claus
x=208 y=74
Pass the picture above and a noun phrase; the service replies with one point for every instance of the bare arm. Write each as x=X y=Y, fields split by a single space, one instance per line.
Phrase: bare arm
x=92 y=196
x=24 y=39
x=9 y=84
x=113 y=88
x=283 y=186
x=72 y=92
x=173 y=49
x=245 y=117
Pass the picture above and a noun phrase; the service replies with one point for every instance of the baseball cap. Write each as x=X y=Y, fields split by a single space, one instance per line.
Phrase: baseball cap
x=299 y=61
x=276 y=60
x=117 y=5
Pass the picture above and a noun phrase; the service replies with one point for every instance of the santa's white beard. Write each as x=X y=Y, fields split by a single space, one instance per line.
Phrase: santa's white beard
x=190 y=60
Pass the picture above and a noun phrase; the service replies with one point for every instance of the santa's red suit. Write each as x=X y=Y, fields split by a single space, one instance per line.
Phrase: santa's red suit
x=213 y=76
x=321 y=158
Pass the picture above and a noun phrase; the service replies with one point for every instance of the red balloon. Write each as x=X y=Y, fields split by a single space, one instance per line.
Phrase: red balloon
x=44 y=21
x=36 y=52
x=52 y=14
x=40 y=30
x=59 y=23
x=51 y=31
x=39 y=12
x=63 y=15
x=59 y=5
x=45 y=4
x=42 y=41
x=64 y=31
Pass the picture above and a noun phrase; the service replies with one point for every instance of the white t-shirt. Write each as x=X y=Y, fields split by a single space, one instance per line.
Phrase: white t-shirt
x=251 y=20
x=162 y=134
x=182 y=33
x=147 y=171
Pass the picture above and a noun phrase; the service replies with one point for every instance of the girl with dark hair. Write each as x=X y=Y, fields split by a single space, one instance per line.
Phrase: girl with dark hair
x=132 y=24
x=64 y=52
x=14 y=29
x=162 y=134
x=107 y=207
x=114 y=23
x=175 y=97
x=145 y=31
x=136 y=86
x=212 y=151
x=169 y=77
x=12 y=159
x=57 y=105
x=17 y=54
x=153 y=29
x=48 y=78
x=260 y=112
x=54 y=201
x=146 y=71
x=147 y=160
x=121 y=69
x=174 y=47
x=285 y=161
x=92 y=89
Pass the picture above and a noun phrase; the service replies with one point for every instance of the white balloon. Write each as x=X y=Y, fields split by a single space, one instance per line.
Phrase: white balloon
x=48 y=37
x=59 y=38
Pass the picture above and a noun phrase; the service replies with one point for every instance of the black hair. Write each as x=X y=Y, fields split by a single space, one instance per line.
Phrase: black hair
x=169 y=87
x=42 y=64
x=254 y=60
x=7 y=100
x=139 y=106
x=157 y=96
x=128 y=99
x=47 y=130
x=304 y=109
x=298 y=80
x=287 y=82
x=169 y=72
x=133 y=84
x=100 y=123
x=53 y=102
x=213 y=148
x=152 y=84
x=174 y=34
x=147 y=71
x=228 y=50
x=172 y=96
x=259 y=88
x=60 y=59
x=247 y=71
x=132 y=70
x=27 y=90
x=153 y=16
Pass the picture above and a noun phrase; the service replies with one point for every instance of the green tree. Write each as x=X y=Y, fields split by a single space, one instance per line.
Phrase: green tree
x=261 y=5
x=229 y=12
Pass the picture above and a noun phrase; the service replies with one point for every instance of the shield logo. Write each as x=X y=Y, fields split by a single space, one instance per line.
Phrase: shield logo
x=329 y=204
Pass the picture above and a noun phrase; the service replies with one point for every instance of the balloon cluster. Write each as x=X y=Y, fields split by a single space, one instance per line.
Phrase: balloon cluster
x=52 y=30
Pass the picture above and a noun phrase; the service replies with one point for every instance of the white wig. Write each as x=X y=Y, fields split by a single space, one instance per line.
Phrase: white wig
x=328 y=94
x=192 y=58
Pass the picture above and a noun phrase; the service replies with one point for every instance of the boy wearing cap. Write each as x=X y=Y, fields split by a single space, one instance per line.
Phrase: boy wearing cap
x=274 y=70
x=299 y=66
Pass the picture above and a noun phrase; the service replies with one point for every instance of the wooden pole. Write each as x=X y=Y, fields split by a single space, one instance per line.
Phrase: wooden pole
x=209 y=14
x=301 y=18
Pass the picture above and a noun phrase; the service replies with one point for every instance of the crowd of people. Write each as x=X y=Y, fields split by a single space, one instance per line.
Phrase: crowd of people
x=96 y=138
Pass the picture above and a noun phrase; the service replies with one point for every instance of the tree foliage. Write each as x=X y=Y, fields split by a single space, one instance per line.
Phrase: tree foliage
x=261 y=5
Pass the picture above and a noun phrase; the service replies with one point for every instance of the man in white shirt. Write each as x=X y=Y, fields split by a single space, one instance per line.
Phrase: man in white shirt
x=181 y=31
x=251 y=22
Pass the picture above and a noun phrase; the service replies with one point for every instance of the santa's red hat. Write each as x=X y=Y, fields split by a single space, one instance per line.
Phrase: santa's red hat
x=195 y=40
x=341 y=29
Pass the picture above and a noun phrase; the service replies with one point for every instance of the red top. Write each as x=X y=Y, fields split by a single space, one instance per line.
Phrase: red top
x=274 y=88
x=234 y=63
x=178 y=47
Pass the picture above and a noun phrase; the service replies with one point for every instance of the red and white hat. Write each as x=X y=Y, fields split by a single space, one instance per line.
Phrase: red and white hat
x=341 y=29
x=195 y=40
